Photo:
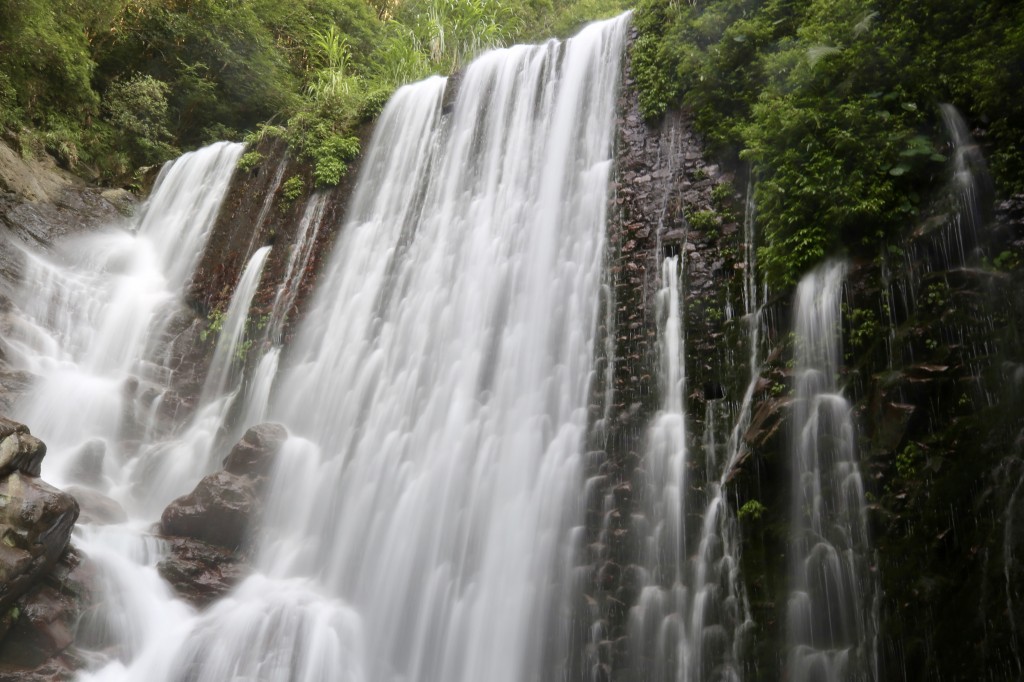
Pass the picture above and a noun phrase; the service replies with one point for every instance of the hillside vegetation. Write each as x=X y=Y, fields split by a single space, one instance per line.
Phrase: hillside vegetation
x=107 y=86
x=835 y=103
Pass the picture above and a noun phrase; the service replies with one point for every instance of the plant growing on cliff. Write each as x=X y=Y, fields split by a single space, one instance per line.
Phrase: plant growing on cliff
x=214 y=324
x=249 y=160
x=752 y=510
x=703 y=221
x=833 y=104
x=291 y=189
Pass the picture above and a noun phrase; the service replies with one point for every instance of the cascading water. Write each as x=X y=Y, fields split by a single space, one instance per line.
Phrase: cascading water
x=419 y=523
x=693 y=620
x=102 y=317
x=257 y=398
x=442 y=376
x=233 y=327
x=659 y=627
x=832 y=609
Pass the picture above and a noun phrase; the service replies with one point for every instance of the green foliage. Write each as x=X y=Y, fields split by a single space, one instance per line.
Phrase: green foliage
x=752 y=510
x=291 y=189
x=908 y=461
x=722 y=194
x=703 y=221
x=112 y=85
x=834 y=103
x=455 y=31
x=249 y=160
x=864 y=327
x=214 y=324
x=1006 y=261
x=242 y=349
x=138 y=106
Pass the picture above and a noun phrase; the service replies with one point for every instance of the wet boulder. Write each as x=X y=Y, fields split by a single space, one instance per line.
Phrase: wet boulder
x=209 y=528
x=224 y=504
x=96 y=508
x=40 y=629
x=200 y=572
x=36 y=519
x=254 y=455
x=218 y=511
x=19 y=449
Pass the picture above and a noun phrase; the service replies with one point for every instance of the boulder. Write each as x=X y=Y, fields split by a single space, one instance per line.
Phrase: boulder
x=209 y=528
x=96 y=507
x=41 y=626
x=254 y=455
x=218 y=511
x=20 y=450
x=35 y=518
x=87 y=463
x=200 y=572
x=35 y=523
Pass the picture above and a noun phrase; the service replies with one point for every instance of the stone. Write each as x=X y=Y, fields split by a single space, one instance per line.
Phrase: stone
x=87 y=463
x=95 y=507
x=36 y=520
x=766 y=423
x=39 y=643
x=23 y=452
x=201 y=572
x=893 y=420
x=218 y=511
x=255 y=453
x=121 y=199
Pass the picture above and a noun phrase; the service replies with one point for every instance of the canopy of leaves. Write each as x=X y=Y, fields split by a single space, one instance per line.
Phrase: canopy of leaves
x=835 y=103
x=110 y=85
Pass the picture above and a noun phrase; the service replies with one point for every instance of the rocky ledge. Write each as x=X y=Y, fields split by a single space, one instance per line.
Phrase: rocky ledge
x=210 y=528
x=45 y=585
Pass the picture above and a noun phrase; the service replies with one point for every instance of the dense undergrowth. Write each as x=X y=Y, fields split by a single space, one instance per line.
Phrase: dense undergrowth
x=108 y=86
x=835 y=103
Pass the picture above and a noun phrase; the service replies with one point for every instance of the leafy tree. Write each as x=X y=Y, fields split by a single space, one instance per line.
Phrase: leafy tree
x=138 y=107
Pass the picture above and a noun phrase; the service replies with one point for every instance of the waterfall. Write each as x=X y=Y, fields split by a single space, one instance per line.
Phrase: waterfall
x=256 y=400
x=104 y=311
x=233 y=327
x=692 y=621
x=832 y=610
x=420 y=519
x=298 y=260
x=437 y=391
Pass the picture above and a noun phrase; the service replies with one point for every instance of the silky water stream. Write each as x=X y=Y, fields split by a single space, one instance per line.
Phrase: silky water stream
x=419 y=519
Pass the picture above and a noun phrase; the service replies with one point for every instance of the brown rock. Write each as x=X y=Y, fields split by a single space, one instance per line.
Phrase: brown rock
x=218 y=511
x=201 y=572
x=254 y=455
x=35 y=523
x=21 y=451
x=44 y=622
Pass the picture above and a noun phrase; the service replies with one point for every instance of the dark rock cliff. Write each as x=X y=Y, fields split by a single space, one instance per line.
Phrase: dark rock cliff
x=933 y=357
x=258 y=210
x=667 y=200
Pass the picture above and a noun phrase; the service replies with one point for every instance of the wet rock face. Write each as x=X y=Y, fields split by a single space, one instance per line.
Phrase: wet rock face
x=224 y=504
x=218 y=511
x=39 y=631
x=96 y=508
x=45 y=585
x=201 y=572
x=39 y=205
x=35 y=518
x=254 y=455
x=666 y=200
x=210 y=527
